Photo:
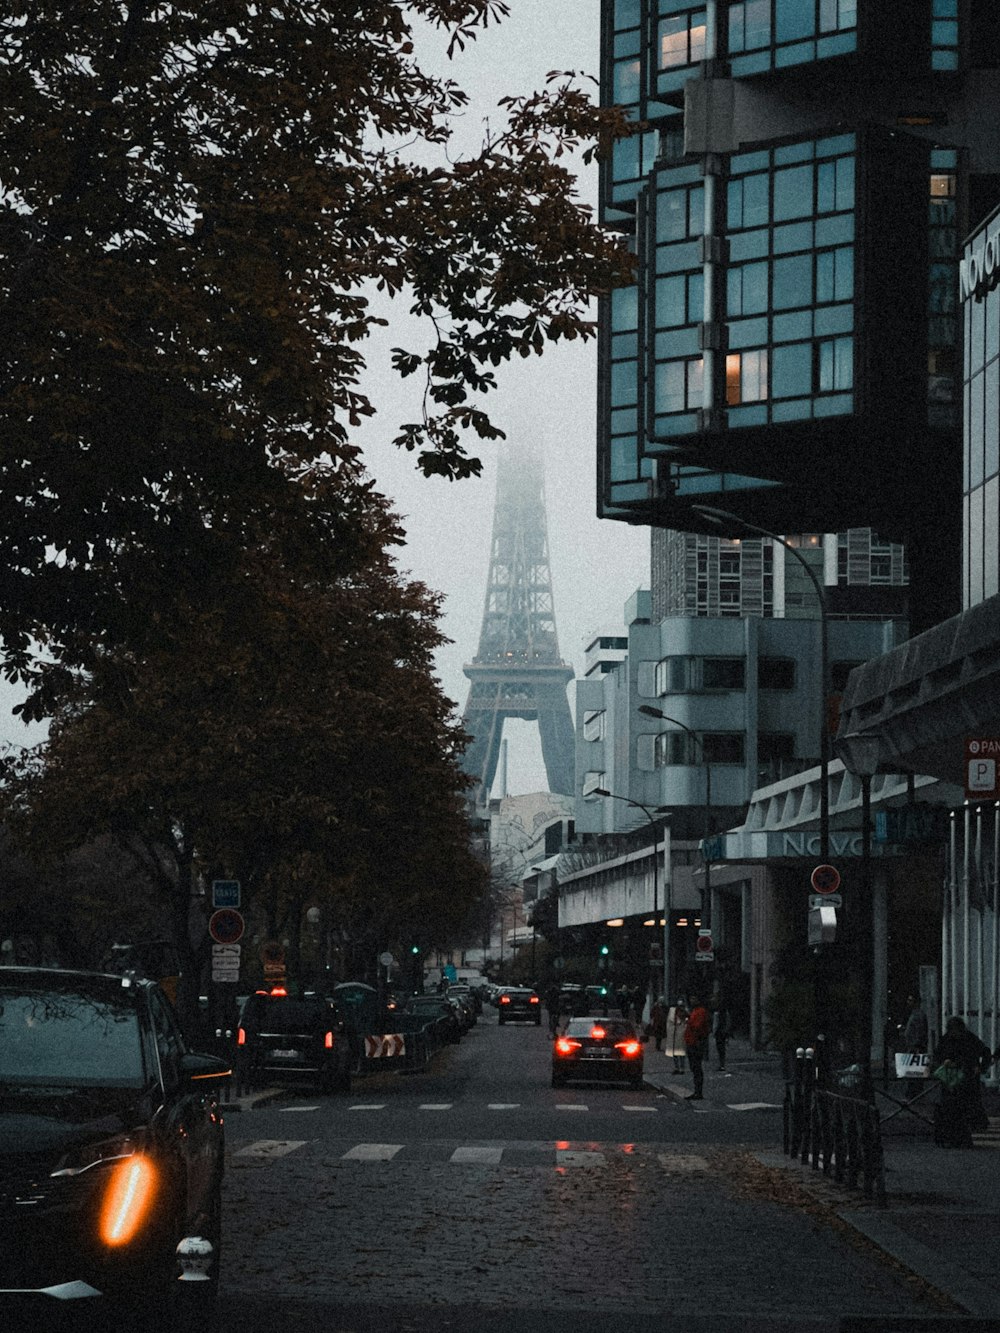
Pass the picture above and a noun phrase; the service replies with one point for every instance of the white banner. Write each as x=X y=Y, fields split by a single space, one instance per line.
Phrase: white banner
x=912 y=1066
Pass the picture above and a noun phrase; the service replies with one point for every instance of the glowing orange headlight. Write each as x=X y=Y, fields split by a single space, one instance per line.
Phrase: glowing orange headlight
x=127 y=1199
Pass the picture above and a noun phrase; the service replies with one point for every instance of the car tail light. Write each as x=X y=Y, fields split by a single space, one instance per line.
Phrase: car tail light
x=127 y=1199
x=505 y=999
x=278 y=990
x=598 y=1033
x=565 y=1046
x=533 y=1000
x=241 y=1037
x=631 y=1047
x=328 y=1041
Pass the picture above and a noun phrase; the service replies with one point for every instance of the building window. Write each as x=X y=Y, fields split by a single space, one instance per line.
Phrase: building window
x=723 y=747
x=594 y=725
x=679 y=386
x=834 y=365
x=750 y=25
x=723 y=673
x=746 y=377
x=591 y=781
x=682 y=40
x=776 y=673
x=673 y=675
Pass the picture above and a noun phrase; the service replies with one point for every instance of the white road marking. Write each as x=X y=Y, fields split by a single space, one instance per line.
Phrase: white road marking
x=483 y=1156
x=682 y=1161
x=570 y=1106
x=503 y=1106
x=372 y=1152
x=650 y=1110
x=437 y=1106
x=271 y=1147
x=299 y=1108
x=754 y=1106
x=373 y=1106
x=575 y=1157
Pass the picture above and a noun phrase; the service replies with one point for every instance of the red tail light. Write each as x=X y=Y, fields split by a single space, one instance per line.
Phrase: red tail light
x=278 y=990
x=505 y=999
x=533 y=1000
x=241 y=1037
x=565 y=1046
x=630 y=1047
x=599 y=1033
x=328 y=1041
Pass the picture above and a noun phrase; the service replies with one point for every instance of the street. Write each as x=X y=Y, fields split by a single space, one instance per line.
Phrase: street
x=473 y=1195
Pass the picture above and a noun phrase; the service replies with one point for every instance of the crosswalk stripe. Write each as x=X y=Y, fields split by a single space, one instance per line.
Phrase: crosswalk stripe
x=372 y=1152
x=368 y=1106
x=503 y=1106
x=271 y=1147
x=481 y=1156
x=578 y=1157
x=437 y=1106
x=649 y=1110
x=570 y=1106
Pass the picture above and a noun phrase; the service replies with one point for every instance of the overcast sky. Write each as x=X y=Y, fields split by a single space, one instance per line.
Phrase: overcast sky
x=551 y=400
x=596 y=565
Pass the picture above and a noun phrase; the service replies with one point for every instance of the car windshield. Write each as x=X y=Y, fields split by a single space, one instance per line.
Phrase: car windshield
x=289 y=1015
x=584 y=1027
x=62 y=1038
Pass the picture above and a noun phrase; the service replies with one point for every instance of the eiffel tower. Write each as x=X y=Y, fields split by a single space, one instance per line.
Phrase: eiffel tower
x=518 y=671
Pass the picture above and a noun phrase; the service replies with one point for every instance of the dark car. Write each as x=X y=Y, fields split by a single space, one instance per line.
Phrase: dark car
x=111 y=1152
x=439 y=1014
x=286 y=1038
x=518 y=1004
x=597 y=1049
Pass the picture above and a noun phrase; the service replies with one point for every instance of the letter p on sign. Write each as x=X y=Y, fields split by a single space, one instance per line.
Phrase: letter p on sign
x=981 y=755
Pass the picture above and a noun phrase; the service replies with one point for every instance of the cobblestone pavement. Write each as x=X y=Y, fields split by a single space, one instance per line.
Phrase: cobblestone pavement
x=654 y=1228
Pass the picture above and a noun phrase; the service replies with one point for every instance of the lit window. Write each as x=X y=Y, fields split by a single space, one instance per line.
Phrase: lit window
x=682 y=40
x=746 y=377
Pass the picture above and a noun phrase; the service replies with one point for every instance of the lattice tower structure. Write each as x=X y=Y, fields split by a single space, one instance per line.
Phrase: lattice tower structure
x=517 y=671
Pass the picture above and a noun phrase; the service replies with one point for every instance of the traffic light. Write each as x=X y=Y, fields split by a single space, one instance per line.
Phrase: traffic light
x=605 y=950
x=414 y=948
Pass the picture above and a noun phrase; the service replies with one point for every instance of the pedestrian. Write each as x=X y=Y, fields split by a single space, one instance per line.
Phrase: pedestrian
x=696 y=1033
x=624 y=998
x=658 y=1021
x=721 y=1027
x=553 y=1001
x=959 y=1063
x=676 y=1020
x=638 y=1004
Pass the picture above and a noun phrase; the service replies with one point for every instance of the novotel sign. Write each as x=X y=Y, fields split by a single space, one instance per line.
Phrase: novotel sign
x=979 y=272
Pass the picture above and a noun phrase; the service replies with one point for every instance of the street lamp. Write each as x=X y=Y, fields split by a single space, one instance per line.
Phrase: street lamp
x=653 y=823
x=706 y=898
x=720 y=516
x=860 y=756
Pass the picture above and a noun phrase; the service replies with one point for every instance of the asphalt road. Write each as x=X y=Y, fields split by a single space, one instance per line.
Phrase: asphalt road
x=473 y=1196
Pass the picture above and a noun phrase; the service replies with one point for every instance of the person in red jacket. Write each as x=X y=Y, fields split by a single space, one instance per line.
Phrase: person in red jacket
x=696 y=1033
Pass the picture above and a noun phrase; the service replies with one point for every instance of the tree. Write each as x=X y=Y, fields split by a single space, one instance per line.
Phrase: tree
x=290 y=736
x=198 y=201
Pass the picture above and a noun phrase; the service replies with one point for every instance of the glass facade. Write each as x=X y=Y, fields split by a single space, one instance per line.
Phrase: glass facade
x=981 y=314
x=765 y=35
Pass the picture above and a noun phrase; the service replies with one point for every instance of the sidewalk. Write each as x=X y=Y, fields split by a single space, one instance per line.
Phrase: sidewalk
x=942 y=1220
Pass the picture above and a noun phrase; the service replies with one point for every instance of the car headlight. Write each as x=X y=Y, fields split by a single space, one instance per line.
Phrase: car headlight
x=104 y=1153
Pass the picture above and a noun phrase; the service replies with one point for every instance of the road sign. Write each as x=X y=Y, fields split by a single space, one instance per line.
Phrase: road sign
x=226 y=953
x=982 y=768
x=822 y=924
x=225 y=893
x=386 y=959
x=829 y=899
x=825 y=879
x=226 y=925
x=704 y=947
x=272 y=953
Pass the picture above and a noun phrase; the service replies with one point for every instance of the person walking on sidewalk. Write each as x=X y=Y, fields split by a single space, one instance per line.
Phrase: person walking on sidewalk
x=722 y=1023
x=959 y=1063
x=676 y=1019
x=696 y=1034
x=658 y=1021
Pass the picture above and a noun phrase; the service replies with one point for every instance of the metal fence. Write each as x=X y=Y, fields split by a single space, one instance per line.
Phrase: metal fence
x=833 y=1130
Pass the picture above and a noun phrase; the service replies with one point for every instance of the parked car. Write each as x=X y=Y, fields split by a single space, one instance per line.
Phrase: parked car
x=293 y=1039
x=440 y=1015
x=597 y=1049
x=466 y=996
x=518 y=1004
x=111 y=1151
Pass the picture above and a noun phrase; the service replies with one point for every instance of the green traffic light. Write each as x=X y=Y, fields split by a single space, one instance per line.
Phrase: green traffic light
x=605 y=949
x=414 y=948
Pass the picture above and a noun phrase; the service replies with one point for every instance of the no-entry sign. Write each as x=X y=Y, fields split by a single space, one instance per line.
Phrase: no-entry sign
x=825 y=879
x=226 y=925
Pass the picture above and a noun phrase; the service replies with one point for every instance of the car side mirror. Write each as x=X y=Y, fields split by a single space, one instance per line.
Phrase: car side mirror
x=196 y=1067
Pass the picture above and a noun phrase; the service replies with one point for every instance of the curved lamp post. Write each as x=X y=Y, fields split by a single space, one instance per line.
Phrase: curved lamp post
x=706 y=898
x=720 y=516
x=649 y=813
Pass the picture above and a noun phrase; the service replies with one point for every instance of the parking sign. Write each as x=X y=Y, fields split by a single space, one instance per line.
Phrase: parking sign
x=981 y=756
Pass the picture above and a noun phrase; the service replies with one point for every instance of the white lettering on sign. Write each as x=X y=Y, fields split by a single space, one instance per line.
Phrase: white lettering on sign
x=980 y=271
x=985 y=747
x=982 y=775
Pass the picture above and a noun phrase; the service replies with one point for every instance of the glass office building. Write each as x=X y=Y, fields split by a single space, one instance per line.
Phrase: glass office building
x=796 y=191
x=980 y=273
